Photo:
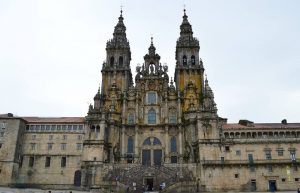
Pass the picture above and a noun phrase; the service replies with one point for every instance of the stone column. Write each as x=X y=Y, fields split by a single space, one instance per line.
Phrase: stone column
x=136 y=143
x=123 y=150
x=180 y=144
x=167 y=141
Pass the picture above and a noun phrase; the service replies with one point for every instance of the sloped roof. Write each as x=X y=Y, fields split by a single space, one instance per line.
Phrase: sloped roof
x=262 y=126
x=54 y=119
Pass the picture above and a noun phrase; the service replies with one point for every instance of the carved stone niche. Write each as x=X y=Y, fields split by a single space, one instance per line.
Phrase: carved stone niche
x=130 y=132
x=173 y=131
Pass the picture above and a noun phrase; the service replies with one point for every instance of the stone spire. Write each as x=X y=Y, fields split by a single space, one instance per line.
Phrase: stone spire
x=185 y=27
x=119 y=36
x=151 y=49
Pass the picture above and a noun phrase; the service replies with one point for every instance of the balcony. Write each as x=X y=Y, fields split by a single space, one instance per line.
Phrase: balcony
x=222 y=163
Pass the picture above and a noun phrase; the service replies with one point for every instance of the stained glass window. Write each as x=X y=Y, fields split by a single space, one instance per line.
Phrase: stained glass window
x=156 y=141
x=173 y=144
x=147 y=141
x=130 y=145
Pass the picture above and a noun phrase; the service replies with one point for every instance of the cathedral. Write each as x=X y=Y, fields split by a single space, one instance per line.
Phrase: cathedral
x=149 y=133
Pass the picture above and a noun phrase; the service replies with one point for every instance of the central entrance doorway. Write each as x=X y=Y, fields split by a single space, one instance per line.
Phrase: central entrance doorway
x=149 y=184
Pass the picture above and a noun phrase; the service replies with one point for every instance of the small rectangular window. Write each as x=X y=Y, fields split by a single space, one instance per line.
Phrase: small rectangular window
x=69 y=127
x=53 y=127
x=50 y=146
x=0 y=145
x=33 y=137
x=64 y=127
x=58 y=127
x=80 y=127
x=227 y=148
x=280 y=152
x=283 y=179
x=78 y=146
x=2 y=134
x=238 y=152
x=269 y=168
x=48 y=127
x=79 y=137
x=63 y=162
x=236 y=175
x=48 y=161
x=37 y=127
x=268 y=155
x=33 y=146
x=31 y=161
x=64 y=137
x=75 y=127
x=63 y=146
x=50 y=137
x=173 y=159
x=296 y=179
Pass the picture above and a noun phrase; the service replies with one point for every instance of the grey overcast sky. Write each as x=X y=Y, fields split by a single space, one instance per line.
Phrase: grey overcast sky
x=51 y=52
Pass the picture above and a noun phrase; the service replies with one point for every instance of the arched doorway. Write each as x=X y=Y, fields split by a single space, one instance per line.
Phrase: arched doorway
x=77 y=178
x=152 y=152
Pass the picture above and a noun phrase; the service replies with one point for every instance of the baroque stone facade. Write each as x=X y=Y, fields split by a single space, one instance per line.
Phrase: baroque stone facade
x=155 y=134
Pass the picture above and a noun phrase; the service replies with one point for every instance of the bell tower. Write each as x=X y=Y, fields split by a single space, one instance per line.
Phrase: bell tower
x=189 y=67
x=116 y=67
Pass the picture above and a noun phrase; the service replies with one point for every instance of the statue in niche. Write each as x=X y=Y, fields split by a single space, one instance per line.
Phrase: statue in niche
x=187 y=152
x=151 y=68
x=116 y=152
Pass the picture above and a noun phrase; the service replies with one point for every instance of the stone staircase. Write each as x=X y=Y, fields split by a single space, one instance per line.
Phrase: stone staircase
x=134 y=175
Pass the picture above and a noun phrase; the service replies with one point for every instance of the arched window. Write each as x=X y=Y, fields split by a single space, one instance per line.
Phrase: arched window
x=193 y=60
x=130 y=145
x=173 y=145
x=131 y=118
x=172 y=117
x=112 y=60
x=184 y=60
x=156 y=141
x=151 y=116
x=147 y=141
x=120 y=61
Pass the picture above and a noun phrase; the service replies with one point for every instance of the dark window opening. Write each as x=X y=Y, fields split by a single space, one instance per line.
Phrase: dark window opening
x=63 y=162
x=184 y=60
x=227 y=148
x=193 y=60
x=236 y=175
x=283 y=179
x=173 y=159
x=112 y=60
x=48 y=161
x=31 y=161
x=120 y=61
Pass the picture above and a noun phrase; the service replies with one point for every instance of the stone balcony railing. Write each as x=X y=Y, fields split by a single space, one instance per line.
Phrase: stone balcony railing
x=250 y=163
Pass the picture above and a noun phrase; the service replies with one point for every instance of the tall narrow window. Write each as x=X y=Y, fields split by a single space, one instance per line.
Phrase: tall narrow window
x=184 y=60
x=120 y=61
x=112 y=60
x=47 y=162
x=131 y=118
x=172 y=118
x=151 y=98
x=63 y=162
x=31 y=161
x=193 y=61
x=130 y=145
x=151 y=116
x=173 y=144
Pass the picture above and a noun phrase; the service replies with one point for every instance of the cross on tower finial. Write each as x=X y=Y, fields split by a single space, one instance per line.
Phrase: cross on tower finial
x=151 y=39
x=184 y=8
x=121 y=9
